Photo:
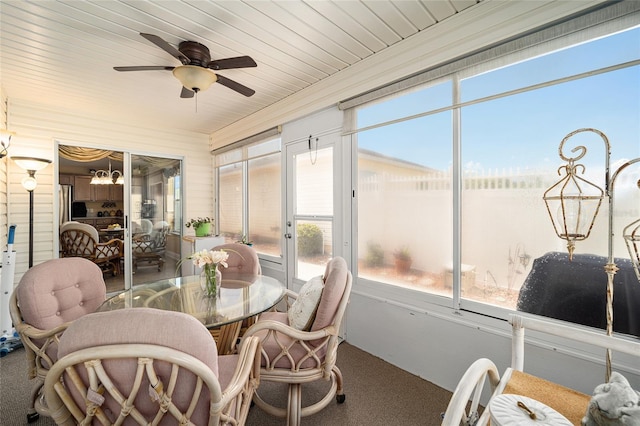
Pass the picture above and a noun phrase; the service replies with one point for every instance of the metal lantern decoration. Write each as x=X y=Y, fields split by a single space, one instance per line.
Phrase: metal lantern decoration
x=576 y=202
x=573 y=202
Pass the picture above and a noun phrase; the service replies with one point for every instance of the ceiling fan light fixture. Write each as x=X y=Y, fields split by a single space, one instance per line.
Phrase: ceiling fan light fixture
x=194 y=77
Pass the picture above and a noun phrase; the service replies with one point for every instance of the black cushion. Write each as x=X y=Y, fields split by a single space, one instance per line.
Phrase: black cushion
x=575 y=291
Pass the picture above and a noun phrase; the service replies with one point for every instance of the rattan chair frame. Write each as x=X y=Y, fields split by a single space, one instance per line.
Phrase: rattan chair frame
x=324 y=367
x=150 y=248
x=228 y=406
x=79 y=243
x=36 y=342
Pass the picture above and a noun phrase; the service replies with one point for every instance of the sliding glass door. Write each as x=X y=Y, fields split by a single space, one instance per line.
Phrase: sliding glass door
x=130 y=200
x=156 y=217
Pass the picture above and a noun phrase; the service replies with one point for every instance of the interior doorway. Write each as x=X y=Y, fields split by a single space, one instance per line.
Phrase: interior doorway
x=133 y=201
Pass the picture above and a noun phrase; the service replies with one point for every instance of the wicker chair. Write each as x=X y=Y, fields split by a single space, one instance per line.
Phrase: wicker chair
x=48 y=298
x=296 y=357
x=243 y=261
x=149 y=249
x=82 y=240
x=149 y=366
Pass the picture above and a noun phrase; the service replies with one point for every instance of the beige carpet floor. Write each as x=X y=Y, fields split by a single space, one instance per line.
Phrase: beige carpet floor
x=377 y=393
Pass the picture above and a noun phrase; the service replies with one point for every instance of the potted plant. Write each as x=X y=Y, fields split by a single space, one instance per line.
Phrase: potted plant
x=403 y=260
x=201 y=225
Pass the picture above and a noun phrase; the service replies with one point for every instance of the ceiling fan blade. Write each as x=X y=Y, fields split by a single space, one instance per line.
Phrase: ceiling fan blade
x=229 y=63
x=186 y=93
x=234 y=85
x=144 y=68
x=167 y=47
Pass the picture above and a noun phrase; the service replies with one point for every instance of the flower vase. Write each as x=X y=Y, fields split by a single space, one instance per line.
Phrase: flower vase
x=210 y=279
x=203 y=230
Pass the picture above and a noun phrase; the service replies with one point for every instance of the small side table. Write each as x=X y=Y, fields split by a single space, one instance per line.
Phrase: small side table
x=505 y=411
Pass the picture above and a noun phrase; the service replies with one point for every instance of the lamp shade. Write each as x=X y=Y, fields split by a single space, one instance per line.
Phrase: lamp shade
x=31 y=163
x=194 y=77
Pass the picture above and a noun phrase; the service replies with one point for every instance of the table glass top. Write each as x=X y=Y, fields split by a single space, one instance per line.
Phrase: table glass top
x=240 y=298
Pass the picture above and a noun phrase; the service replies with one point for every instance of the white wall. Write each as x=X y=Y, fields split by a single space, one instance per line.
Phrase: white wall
x=37 y=128
x=438 y=344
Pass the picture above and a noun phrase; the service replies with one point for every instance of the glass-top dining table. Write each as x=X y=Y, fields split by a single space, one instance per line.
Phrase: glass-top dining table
x=240 y=298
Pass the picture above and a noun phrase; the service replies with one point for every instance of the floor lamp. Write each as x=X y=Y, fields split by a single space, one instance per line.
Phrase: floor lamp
x=31 y=165
x=573 y=204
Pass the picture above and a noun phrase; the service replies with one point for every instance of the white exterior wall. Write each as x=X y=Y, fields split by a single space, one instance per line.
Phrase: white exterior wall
x=37 y=128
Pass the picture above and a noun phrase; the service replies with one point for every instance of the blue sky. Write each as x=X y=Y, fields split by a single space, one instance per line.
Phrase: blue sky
x=523 y=130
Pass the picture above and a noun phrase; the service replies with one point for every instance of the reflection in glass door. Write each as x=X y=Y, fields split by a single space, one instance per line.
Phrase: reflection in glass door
x=91 y=202
x=310 y=209
x=156 y=217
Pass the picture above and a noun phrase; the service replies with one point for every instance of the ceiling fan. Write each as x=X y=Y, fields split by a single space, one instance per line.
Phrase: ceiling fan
x=195 y=72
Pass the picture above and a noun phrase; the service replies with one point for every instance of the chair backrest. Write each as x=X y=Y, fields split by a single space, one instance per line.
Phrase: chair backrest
x=78 y=239
x=146 y=226
x=335 y=295
x=243 y=260
x=143 y=352
x=159 y=235
x=59 y=291
x=56 y=292
x=68 y=224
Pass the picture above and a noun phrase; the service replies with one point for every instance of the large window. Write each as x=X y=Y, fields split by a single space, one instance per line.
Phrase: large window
x=481 y=146
x=249 y=195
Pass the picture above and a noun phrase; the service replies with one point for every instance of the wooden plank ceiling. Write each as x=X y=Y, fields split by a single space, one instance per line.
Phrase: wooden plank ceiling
x=62 y=53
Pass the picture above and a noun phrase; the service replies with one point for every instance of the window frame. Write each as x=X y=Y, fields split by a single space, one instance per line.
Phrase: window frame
x=258 y=146
x=457 y=303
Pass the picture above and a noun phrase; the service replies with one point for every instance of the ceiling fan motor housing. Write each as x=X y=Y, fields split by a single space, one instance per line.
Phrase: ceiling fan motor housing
x=197 y=53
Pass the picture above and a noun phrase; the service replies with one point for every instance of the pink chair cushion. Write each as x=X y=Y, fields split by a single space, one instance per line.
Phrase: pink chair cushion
x=335 y=278
x=335 y=281
x=60 y=290
x=147 y=326
x=226 y=367
x=243 y=261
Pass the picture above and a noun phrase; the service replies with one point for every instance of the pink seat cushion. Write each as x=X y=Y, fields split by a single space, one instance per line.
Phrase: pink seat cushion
x=147 y=326
x=226 y=367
